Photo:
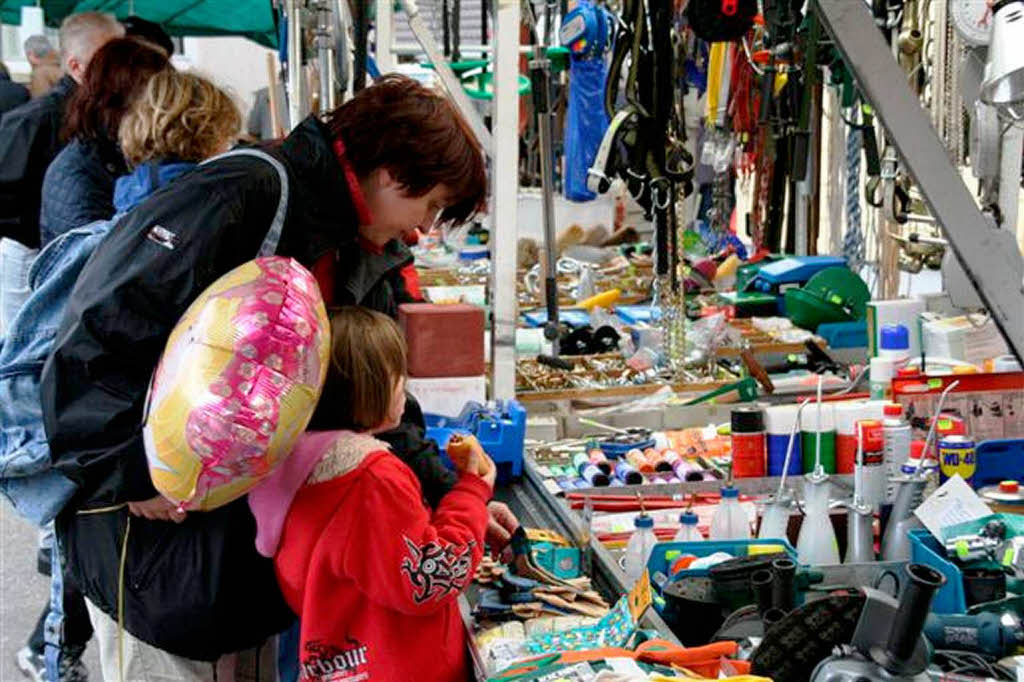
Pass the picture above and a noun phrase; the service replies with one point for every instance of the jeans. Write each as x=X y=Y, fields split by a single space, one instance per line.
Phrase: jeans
x=15 y=261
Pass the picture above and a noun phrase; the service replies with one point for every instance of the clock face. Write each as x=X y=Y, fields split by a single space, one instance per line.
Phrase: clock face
x=972 y=19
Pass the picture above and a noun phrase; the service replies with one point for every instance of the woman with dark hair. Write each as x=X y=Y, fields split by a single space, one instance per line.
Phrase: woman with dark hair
x=79 y=185
x=339 y=195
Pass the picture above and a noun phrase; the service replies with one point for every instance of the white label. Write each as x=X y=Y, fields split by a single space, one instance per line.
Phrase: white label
x=954 y=502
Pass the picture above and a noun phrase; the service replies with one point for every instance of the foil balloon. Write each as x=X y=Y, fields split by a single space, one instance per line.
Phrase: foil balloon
x=237 y=384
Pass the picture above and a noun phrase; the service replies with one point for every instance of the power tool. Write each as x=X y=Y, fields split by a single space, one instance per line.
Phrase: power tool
x=993 y=634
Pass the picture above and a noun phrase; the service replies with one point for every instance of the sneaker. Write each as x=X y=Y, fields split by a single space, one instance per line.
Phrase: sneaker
x=33 y=666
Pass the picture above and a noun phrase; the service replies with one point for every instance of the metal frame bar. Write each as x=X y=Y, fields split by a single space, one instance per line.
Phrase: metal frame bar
x=989 y=256
x=385 y=31
x=505 y=198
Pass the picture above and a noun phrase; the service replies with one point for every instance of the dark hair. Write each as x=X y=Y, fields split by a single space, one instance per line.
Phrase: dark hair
x=419 y=137
x=149 y=31
x=116 y=73
x=367 y=360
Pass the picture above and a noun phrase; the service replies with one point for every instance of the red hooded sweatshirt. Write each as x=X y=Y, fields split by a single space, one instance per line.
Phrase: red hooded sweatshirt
x=373 y=574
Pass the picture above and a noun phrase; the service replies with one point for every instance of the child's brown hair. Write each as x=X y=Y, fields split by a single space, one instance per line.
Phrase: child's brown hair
x=367 y=360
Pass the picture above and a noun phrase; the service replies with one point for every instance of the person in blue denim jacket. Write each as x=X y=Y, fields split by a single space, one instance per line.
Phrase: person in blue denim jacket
x=177 y=121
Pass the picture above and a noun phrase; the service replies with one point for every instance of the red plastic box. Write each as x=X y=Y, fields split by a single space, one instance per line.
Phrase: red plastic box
x=444 y=340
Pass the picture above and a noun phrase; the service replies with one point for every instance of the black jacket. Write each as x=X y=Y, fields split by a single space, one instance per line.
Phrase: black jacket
x=199 y=589
x=11 y=94
x=29 y=140
x=78 y=187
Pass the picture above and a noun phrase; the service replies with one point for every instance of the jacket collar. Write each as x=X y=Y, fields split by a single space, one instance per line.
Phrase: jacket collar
x=65 y=86
x=131 y=189
x=327 y=208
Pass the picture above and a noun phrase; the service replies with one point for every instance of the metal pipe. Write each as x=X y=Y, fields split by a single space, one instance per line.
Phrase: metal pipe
x=296 y=100
x=540 y=73
x=325 y=55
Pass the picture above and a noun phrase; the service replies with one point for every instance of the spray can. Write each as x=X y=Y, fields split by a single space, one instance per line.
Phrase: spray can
x=812 y=424
x=897 y=434
x=847 y=416
x=589 y=471
x=929 y=467
x=957 y=456
x=779 y=421
x=873 y=476
x=600 y=460
x=947 y=425
x=627 y=473
x=639 y=461
x=748 y=442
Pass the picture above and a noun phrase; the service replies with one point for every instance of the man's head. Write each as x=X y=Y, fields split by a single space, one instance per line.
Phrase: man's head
x=416 y=158
x=39 y=50
x=150 y=31
x=81 y=35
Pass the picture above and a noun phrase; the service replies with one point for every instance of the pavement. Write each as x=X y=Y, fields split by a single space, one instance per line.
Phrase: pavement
x=22 y=594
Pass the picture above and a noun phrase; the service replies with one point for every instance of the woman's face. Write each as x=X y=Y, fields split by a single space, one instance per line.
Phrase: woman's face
x=394 y=212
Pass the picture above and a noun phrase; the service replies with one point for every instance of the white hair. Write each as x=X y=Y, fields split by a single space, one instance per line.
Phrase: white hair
x=81 y=34
x=39 y=46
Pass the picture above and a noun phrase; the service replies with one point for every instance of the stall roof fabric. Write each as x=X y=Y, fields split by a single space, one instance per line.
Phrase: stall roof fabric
x=252 y=19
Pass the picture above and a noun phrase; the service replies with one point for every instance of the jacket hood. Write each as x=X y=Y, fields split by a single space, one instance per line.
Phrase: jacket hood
x=318 y=456
x=130 y=190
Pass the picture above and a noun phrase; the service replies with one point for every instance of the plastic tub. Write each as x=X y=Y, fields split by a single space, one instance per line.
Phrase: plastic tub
x=658 y=562
x=925 y=549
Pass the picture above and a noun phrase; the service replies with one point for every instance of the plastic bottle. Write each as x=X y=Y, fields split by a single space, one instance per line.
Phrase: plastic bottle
x=779 y=421
x=819 y=419
x=894 y=344
x=730 y=521
x=640 y=546
x=816 y=544
x=688 y=528
x=882 y=372
x=897 y=435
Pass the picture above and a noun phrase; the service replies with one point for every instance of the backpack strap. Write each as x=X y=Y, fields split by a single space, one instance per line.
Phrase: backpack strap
x=270 y=242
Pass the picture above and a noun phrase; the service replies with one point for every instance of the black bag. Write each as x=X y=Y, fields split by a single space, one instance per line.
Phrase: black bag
x=721 y=20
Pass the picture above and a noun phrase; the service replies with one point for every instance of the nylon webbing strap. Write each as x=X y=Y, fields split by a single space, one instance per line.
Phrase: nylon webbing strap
x=853 y=240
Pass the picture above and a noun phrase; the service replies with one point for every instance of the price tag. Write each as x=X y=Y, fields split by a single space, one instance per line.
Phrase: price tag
x=640 y=597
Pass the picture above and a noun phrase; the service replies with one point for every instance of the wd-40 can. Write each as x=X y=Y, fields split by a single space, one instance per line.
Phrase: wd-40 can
x=957 y=456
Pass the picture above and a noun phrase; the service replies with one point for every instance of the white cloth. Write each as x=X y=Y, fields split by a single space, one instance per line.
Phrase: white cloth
x=145 y=663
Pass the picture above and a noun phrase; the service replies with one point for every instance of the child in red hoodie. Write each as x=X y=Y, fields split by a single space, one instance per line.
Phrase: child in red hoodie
x=373 y=573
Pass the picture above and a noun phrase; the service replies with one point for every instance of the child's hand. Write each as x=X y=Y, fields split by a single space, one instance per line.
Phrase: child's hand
x=467 y=455
x=485 y=468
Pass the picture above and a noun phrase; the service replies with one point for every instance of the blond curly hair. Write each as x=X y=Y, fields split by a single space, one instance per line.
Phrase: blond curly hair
x=178 y=116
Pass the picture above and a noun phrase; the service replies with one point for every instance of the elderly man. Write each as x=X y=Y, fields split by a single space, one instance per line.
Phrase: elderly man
x=45 y=61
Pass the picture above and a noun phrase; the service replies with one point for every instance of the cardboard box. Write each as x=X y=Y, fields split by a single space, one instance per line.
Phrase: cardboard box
x=444 y=340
